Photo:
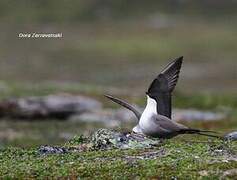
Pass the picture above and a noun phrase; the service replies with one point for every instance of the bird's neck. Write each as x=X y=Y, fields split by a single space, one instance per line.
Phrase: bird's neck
x=150 y=109
x=151 y=105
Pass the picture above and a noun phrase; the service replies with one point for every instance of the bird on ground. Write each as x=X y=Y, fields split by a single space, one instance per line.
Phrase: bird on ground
x=155 y=120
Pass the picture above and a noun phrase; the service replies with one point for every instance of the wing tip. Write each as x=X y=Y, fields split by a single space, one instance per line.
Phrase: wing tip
x=110 y=97
x=107 y=95
x=180 y=58
x=124 y=104
x=176 y=63
x=179 y=61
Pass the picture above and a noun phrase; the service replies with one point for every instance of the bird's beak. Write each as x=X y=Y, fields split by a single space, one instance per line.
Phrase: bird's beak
x=146 y=93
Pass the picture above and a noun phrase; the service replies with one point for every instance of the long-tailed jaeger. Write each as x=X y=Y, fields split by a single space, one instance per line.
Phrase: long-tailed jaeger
x=155 y=120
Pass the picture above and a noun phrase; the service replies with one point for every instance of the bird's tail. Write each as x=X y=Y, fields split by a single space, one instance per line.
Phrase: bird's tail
x=210 y=135
x=200 y=132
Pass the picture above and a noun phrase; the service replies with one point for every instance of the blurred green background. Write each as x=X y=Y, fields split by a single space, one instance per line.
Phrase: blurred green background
x=116 y=46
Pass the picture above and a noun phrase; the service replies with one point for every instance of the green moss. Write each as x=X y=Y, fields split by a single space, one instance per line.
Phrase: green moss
x=173 y=158
x=76 y=140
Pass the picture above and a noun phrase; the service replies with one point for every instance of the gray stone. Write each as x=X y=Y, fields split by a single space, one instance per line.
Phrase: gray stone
x=231 y=136
x=109 y=139
x=43 y=150
x=52 y=106
x=196 y=115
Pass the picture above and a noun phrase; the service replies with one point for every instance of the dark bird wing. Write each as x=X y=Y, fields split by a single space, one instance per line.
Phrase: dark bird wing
x=125 y=104
x=162 y=87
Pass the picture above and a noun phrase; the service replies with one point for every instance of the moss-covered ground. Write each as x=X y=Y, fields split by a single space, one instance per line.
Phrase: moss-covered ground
x=175 y=158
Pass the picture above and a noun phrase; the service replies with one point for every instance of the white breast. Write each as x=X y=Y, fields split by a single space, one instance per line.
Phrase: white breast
x=149 y=111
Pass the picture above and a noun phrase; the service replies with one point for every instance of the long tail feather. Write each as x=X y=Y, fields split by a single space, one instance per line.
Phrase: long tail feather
x=209 y=131
x=210 y=135
x=198 y=130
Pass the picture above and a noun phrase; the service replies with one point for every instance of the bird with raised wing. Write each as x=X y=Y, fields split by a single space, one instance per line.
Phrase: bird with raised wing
x=155 y=120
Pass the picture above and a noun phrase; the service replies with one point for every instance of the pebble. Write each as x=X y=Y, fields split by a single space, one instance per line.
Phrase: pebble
x=231 y=136
x=52 y=150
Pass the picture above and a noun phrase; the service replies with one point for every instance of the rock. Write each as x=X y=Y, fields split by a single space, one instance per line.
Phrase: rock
x=108 y=139
x=231 y=136
x=103 y=139
x=195 y=115
x=52 y=150
x=52 y=106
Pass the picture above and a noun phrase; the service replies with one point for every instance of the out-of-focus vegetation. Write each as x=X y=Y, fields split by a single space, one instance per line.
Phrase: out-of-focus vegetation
x=92 y=10
x=120 y=43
